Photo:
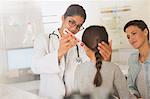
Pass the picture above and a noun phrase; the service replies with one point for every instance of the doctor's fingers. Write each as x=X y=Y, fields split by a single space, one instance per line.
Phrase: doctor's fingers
x=66 y=38
x=69 y=42
x=105 y=47
x=63 y=41
x=68 y=45
x=105 y=54
x=64 y=44
x=71 y=39
x=65 y=47
x=105 y=50
x=73 y=42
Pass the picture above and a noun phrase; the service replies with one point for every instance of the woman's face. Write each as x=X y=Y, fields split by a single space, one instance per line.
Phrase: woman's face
x=73 y=23
x=136 y=36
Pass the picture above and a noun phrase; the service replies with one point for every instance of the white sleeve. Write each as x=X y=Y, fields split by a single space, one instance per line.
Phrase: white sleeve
x=42 y=61
x=83 y=55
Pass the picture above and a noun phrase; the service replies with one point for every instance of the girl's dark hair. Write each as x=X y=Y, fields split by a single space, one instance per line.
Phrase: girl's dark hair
x=74 y=10
x=91 y=37
x=139 y=23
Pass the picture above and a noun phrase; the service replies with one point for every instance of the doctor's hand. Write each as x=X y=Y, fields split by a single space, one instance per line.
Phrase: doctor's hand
x=66 y=42
x=105 y=50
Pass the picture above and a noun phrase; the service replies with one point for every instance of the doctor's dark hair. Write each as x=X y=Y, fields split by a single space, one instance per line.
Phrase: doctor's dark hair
x=91 y=37
x=75 y=10
x=139 y=23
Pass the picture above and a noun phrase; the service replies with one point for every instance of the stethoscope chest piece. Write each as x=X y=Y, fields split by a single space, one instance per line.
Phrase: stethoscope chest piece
x=78 y=60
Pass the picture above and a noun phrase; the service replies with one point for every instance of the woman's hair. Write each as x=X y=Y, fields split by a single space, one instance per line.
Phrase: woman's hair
x=75 y=10
x=91 y=37
x=139 y=23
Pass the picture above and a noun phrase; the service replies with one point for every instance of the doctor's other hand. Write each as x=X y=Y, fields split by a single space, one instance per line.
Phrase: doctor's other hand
x=66 y=42
x=105 y=50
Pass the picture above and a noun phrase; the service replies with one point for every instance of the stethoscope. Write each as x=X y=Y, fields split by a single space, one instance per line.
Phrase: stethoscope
x=78 y=58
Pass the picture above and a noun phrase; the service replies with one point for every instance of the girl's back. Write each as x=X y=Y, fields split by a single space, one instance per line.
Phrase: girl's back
x=113 y=81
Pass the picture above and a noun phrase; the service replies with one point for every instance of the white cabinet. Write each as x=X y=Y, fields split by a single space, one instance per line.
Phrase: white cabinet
x=20 y=22
x=20 y=31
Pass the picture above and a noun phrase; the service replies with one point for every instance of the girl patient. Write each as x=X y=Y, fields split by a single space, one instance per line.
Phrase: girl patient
x=101 y=79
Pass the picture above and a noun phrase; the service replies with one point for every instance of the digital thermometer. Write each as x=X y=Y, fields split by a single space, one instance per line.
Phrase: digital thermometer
x=66 y=31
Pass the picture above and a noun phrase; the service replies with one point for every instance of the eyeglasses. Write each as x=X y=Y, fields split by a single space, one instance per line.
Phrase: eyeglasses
x=72 y=23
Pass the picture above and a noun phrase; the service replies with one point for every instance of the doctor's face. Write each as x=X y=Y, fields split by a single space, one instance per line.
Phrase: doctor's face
x=73 y=23
x=136 y=36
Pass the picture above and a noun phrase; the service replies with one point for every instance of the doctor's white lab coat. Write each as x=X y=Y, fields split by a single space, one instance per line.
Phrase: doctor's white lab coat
x=52 y=74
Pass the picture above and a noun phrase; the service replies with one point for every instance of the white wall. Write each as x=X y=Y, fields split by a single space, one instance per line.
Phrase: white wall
x=94 y=16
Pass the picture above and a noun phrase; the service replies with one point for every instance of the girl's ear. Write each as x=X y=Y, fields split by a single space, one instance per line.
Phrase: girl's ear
x=86 y=49
x=145 y=32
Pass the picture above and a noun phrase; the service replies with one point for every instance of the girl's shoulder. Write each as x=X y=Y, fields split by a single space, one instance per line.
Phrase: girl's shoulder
x=110 y=65
x=85 y=66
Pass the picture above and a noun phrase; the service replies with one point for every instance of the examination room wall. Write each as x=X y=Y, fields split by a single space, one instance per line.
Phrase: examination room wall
x=45 y=16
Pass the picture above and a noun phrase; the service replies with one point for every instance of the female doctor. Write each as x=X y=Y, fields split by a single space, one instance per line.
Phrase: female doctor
x=55 y=55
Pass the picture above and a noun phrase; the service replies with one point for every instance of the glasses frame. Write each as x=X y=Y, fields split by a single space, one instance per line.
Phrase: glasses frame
x=72 y=23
